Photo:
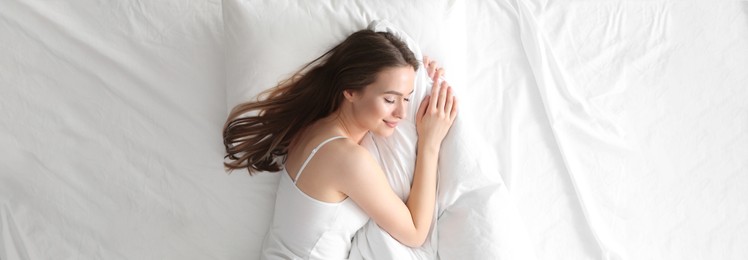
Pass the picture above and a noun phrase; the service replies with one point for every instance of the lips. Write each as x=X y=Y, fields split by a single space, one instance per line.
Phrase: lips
x=390 y=124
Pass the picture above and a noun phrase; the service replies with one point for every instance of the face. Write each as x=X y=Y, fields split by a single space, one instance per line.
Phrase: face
x=382 y=105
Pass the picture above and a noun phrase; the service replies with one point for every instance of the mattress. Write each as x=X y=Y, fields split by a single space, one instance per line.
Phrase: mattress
x=619 y=128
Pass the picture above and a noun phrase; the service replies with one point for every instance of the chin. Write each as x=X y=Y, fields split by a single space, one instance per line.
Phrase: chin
x=383 y=132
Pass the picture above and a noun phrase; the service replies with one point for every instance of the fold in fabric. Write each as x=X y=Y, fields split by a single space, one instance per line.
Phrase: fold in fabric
x=573 y=122
x=11 y=243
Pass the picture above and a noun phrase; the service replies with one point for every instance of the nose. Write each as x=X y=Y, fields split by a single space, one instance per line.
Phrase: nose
x=400 y=111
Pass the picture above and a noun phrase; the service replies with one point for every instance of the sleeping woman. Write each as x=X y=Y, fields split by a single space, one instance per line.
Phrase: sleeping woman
x=309 y=129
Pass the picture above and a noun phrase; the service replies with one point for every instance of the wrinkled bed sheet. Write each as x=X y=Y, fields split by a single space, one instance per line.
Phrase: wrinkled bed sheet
x=619 y=128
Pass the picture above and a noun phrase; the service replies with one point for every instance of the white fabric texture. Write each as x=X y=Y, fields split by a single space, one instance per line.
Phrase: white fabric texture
x=618 y=126
x=110 y=134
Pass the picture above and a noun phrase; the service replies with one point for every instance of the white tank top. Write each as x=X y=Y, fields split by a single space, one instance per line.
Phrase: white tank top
x=306 y=228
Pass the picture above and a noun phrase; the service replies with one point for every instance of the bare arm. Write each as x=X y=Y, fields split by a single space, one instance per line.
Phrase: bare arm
x=367 y=185
x=423 y=192
x=435 y=116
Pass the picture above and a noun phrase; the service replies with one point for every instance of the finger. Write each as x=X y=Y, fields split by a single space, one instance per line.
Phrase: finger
x=422 y=107
x=442 y=97
x=450 y=102
x=434 y=91
x=453 y=113
x=432 y=67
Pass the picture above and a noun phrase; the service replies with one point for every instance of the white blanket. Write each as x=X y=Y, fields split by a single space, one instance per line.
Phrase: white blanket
x=475 y=217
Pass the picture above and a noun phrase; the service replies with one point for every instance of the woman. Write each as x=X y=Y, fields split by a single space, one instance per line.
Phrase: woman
x=309 y=128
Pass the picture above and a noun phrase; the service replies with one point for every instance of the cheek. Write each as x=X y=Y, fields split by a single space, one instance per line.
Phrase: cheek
x=372 y=108
x=382 y=110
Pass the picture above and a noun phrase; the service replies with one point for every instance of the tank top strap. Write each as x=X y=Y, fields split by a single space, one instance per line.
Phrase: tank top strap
x=314 y=151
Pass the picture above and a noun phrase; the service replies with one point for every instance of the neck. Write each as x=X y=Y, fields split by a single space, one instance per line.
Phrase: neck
x=344 y=123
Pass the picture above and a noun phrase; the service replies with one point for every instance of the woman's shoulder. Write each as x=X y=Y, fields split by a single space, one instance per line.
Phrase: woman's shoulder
x=345 y=148
x=347 y=155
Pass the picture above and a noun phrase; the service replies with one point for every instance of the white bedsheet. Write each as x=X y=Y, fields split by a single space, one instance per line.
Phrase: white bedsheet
x=647 y=105
x=620 y=128
x=110 y=133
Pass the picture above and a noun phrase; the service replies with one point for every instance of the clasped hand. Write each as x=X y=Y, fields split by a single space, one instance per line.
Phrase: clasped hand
x=437 y=111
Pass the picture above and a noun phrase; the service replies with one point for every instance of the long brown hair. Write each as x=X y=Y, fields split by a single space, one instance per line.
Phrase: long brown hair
x=257 y=140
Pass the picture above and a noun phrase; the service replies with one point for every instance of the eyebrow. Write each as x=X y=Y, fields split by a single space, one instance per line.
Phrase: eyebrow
x=397 y=93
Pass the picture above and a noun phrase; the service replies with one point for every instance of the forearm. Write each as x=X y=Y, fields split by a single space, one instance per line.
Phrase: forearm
x=422 y=197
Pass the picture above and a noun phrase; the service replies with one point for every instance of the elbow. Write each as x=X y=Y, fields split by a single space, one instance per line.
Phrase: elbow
x=415 y=241
x=415 y=244
x=412 y=237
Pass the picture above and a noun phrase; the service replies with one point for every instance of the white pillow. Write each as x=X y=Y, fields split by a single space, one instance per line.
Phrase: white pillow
x=268 y=41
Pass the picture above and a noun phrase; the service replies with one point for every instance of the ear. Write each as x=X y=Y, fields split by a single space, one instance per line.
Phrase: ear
x=350 y=95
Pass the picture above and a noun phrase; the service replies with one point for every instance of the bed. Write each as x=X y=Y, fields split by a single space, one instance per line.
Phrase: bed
x=619 y=129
